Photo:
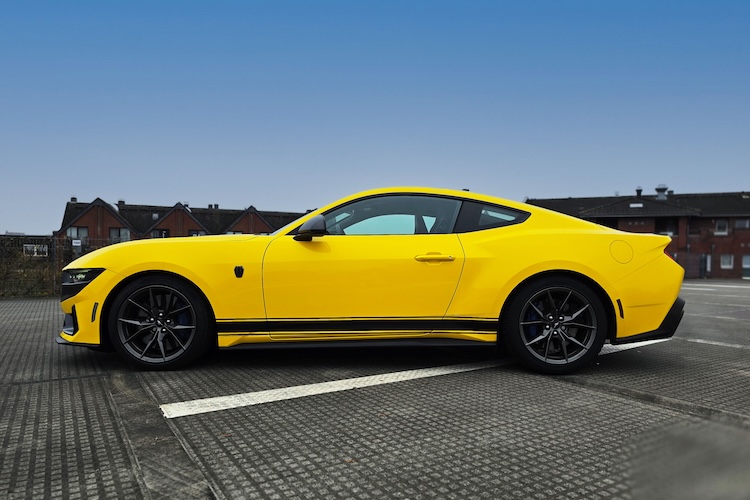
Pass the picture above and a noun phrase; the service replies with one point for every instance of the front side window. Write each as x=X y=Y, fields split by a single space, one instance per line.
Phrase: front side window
x=394 y=214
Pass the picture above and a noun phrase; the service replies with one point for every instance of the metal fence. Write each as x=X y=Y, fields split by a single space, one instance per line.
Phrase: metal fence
x=30 y=266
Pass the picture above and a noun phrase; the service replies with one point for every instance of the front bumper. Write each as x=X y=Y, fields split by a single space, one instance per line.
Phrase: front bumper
x=665 y=330
x=83 y=309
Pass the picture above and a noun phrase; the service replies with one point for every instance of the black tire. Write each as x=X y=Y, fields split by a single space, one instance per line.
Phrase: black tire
x=555 y=325
x=160 y=323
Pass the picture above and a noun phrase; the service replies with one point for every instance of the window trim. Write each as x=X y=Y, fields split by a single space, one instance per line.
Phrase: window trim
x=463 y=225
x=717 y=231
x=450 y=230
x=731 y=261
x=523 y=214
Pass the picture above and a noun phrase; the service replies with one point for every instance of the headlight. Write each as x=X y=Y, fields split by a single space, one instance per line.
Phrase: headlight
x=75 y=280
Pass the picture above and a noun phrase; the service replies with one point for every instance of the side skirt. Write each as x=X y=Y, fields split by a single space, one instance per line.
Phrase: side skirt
x=427 y=342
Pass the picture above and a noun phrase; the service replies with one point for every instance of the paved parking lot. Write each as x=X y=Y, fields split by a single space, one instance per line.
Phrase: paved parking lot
x=664 y=420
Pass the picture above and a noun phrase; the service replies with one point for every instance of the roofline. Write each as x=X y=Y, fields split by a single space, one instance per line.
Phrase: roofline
x=177 y=206
x=97 y=202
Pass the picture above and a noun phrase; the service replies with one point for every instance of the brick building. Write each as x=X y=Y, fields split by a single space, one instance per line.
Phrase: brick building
x=710 y=231
x=87 y=226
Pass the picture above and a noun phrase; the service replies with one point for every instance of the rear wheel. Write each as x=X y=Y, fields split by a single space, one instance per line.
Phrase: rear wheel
x=158 y=322
x=555 y=325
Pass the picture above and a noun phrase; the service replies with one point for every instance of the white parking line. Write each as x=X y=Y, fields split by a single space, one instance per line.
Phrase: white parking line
x=720 y=344
x=207 y=405
x=712 y=286
x=197 y=406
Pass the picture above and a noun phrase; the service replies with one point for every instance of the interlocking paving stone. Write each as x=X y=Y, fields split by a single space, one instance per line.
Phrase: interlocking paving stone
x=680 y=370
x=80 y=424
x=691 y=460
x=241 y=371
x=61 y=440
x=514 y=435
x=62 y=434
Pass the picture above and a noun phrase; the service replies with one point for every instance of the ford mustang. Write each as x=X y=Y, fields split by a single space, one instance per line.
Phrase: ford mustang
x=400 y=265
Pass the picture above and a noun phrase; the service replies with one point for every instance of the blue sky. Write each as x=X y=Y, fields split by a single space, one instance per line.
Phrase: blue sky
x=287 y=105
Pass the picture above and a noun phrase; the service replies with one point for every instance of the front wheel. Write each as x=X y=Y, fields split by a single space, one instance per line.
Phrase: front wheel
x=555 y=325
x=159 y=323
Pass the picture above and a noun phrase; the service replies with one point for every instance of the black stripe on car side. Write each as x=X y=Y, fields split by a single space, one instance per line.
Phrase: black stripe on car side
x=358 y=325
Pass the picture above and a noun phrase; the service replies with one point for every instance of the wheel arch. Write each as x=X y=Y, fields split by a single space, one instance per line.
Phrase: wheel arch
x=596 y=287
x=104 y=338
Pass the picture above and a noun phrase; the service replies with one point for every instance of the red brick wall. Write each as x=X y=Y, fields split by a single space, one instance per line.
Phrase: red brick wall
x=250 y=223
x=178 y=223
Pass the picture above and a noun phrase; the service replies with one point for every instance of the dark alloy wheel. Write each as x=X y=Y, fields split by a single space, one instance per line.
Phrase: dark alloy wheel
x=555 y=325
x=159 y=323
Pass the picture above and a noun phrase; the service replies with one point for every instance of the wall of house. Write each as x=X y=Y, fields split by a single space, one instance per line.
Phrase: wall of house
x=98 y=220
x=702 y=252
x=251 y=224
x=178 y=223
x=698 y=246
x=637 y=225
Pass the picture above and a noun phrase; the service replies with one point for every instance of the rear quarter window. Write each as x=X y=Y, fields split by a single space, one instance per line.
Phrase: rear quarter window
x=476 y=216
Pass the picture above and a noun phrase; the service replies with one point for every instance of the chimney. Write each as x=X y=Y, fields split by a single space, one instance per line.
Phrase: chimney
x=73 y=199
x=216 y=206
x=638 y=191
x=661 y=192
x=120 y=203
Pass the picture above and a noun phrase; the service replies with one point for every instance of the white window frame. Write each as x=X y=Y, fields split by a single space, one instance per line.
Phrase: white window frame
x=31 y=250
x=722 y=232
x=723 y=261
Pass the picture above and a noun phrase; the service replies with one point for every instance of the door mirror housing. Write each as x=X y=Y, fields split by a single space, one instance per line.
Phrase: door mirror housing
x=312 y=228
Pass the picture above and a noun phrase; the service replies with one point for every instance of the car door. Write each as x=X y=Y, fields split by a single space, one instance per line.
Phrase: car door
x=389 y=263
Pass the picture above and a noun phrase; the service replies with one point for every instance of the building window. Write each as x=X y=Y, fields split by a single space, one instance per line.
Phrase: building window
x=196 y=232
x=36 y=250
x=746 y=266
x=160 y=233
x=742 y=224
x=667 y=226
x=78 y=233
x=727 y=261
x=118 y=234
x=722 y=227
x=234 y=232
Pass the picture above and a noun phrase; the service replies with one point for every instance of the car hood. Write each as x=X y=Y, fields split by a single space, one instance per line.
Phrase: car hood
x=121 y=255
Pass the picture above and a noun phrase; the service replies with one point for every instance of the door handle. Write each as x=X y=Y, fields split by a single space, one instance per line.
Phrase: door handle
x=432 y=257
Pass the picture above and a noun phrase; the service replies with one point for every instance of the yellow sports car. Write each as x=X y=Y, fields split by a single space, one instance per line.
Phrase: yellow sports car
x=431 y=266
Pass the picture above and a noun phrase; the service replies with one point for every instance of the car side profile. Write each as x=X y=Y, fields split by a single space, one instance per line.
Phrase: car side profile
x=398 y=265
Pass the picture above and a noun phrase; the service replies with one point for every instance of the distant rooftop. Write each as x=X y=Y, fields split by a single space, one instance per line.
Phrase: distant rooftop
x=665 y=203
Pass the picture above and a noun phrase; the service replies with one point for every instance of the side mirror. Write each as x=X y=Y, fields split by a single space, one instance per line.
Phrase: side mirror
x=312 y=228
